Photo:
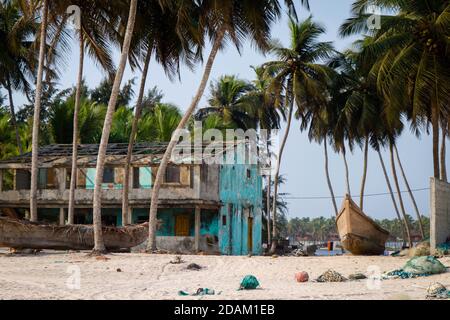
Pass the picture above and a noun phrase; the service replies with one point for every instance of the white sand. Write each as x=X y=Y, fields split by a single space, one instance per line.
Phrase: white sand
x=44 y=276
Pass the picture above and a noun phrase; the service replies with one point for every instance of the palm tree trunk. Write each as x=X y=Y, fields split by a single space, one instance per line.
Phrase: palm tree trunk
x=36 y=116
x=277 y=177
x=74 y=172
x=165 y=160
x=268 y=193
x=13 y=115
x=394 y=202
x=364 y=177
x=126 y=219
x=419 y=218
x=347 y=173
x=435 y=125
x=99 y=246
x=327 y=173
x=400 y=198
x=443 y=155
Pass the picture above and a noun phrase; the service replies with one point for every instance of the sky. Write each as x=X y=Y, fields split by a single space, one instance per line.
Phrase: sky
x=303 y=163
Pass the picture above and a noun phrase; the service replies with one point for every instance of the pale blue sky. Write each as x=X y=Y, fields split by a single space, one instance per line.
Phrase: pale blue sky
x=303 y=162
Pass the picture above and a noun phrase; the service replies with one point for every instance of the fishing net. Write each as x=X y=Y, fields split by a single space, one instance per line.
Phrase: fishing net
x=331 y=276
x=438 y=291
x=443 y=249
x=249 y=283
x=418 y=267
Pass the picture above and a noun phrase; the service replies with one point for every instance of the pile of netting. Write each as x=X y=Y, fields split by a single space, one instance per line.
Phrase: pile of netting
x=438 y=291
x=443 y=249
x=418 y=267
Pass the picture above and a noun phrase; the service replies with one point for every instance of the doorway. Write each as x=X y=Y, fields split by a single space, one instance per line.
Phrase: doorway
x=250 y=235
x=182 y=226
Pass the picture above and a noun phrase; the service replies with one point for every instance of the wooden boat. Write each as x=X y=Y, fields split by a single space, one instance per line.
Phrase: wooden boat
x=19 y=234
x=360 y=234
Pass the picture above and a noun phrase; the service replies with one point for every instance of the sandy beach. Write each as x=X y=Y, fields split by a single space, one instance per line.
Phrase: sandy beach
x=50 y=275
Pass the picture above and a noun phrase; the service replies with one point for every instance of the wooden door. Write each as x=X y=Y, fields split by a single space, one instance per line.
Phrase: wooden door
x=250 y=235
x=182 y=226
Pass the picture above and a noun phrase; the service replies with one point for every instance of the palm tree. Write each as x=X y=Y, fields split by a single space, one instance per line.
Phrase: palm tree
x=98 y=236
x=445 y=133
x=399 y=195
x=16 y=29
x=303 y=80
x=37 y=110
x=159 y=124
x=157 y=33
x=229 y=100
x=413 y=199
x=91 y=35
x=411 y=47
x=267 y=108
x=219 y=19
x=388 y=183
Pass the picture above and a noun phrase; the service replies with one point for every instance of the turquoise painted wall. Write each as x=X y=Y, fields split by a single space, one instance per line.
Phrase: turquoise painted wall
x=245 y=195
x=209 y=223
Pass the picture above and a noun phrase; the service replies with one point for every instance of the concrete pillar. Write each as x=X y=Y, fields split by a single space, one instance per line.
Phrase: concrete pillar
x=197 y=228
x=197 y=181
x=62 y=180
x=62 y=218
x=130 y=215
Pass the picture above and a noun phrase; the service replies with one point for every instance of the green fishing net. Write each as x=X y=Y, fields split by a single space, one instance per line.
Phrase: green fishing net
x=419 y=267
x=249 y=283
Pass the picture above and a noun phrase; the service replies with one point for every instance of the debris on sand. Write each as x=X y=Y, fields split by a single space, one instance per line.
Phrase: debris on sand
x=102 y=258
x=331 y=276
x=437 y=291
x=357 y=276
x=249 y=283
x=177 y=260
x=302 y=276
x=200 y=292
x=194 y=267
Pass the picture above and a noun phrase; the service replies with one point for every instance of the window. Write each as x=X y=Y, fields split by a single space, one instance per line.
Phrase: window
x=224 y=221
x=249 y=174
x=47 y=179
x=23 y=179
x=142 y=178
x=108 y=175
x=136 y=184
x=7 y=180
x=172 y=174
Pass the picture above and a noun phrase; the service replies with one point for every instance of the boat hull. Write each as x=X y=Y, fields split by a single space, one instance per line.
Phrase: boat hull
x=26 y=235
x=359 y=234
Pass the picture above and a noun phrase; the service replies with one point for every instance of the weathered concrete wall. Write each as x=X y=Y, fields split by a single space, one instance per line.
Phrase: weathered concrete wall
x=241 y=196
x=440 y=212
x=209 y=180
x=112 y=193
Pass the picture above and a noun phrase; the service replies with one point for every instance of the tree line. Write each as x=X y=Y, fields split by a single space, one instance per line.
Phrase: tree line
x=393 y=77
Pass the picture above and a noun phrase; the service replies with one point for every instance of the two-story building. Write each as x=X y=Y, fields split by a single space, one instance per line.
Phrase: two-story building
x=212 y=208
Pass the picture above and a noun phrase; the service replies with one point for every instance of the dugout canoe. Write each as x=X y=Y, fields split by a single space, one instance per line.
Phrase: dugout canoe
x=20 y=234
x=360 y=234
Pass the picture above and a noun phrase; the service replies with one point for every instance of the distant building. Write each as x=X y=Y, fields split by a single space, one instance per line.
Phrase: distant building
x=212 y=208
